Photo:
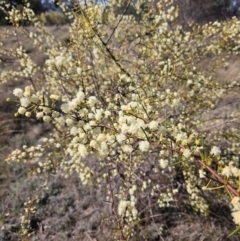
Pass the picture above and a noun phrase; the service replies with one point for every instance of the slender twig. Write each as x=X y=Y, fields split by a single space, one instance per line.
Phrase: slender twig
x=105 y=45
x=88 y=236
x=120 y=226
x=219 y=178
x=151 y=216
x=218 y=125
x=119 y=21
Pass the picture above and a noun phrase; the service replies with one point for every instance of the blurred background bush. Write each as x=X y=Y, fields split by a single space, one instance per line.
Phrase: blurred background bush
x=198 y=10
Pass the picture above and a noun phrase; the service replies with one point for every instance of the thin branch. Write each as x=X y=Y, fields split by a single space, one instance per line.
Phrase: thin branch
x=105 y=45
x=119 y=21
x=151 y=216
x=219 y=178
x=218 y=125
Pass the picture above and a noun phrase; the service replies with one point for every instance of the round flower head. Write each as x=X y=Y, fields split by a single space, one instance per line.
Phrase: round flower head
x=22 y=110
x=215 y=151
x=25 y=102
x=18 y=92
x=144 y=146
x=46 y=118
x=236 y=217
x=163 y=163
x=153 y=125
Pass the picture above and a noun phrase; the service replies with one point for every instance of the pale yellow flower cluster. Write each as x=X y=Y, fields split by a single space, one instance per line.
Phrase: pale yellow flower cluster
x=231 y=170
x=236 y=210
x=14 y=16
x=196 y=201
x=215 y=151
x=26 y=99
x=127 y=209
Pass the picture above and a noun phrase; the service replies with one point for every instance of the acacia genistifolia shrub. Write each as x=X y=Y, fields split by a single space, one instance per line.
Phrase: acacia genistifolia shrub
x=132 y=93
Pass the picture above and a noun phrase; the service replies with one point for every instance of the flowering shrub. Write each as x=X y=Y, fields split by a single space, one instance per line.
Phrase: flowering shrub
x=132 y=93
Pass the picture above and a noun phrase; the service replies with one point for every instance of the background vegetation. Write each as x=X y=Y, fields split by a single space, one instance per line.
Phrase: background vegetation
x=199 y=11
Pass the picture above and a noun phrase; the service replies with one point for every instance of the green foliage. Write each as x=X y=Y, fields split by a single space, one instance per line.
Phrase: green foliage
x=53 y=18
x=3 y=20
x=35 y=5
x=133 y=94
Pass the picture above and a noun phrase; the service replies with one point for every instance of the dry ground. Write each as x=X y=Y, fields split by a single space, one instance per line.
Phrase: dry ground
x=69 y=211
